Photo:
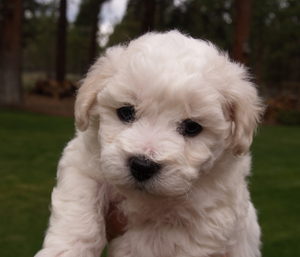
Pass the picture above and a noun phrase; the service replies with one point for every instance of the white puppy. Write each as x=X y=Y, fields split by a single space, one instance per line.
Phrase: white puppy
x=164 y=127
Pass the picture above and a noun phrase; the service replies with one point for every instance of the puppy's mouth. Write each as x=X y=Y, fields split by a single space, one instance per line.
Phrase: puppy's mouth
x=145 y=189
x=140 y=188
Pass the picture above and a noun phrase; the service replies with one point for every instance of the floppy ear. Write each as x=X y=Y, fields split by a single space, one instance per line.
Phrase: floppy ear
x=243 y=107
x=96 y=79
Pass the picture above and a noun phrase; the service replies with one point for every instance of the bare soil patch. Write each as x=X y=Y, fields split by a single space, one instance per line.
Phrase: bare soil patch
x=47 y=105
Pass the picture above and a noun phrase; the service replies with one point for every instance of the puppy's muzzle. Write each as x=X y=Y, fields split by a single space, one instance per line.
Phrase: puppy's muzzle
x=142 y=168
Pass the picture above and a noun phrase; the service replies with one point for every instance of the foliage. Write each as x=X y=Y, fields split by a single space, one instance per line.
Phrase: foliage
x=88 y=10
x=207 y=19
x=31 y=145
x=32 y=9
x=40 y=38
x=274 y=43
x=276 y=30
x=80 y=37
x=211 y=20
x=130 y=27
x=78 y=48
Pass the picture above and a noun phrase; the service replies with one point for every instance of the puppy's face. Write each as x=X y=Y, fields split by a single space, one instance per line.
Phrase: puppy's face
x=164 y=116
x=157 y=136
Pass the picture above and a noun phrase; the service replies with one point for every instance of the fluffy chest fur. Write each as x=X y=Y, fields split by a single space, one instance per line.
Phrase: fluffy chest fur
x=204 y=222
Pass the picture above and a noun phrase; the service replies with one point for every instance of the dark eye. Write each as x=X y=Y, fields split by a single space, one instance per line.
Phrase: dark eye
x=190 y=128
x=126 y=113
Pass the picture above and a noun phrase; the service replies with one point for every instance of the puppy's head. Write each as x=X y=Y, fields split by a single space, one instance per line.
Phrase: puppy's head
x=169 y=106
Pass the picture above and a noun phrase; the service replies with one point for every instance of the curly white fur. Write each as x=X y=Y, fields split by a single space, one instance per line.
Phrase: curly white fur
x=198 y=204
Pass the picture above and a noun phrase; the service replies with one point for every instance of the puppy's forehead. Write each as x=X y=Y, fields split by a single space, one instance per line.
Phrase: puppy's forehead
x=169 y=57
x=168 y=68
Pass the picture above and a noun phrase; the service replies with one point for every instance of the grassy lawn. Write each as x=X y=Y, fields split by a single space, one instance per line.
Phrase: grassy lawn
x=275 y=188
x=31 y=145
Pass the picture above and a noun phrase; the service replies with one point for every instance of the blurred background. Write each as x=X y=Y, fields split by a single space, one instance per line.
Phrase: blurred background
x=46 y=47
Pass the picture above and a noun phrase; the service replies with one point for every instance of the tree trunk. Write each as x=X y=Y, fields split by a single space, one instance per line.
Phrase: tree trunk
x=11 y=53
x=149 y=15
x=61 y=42
x=95 y=10
x=161 y=19
x=259 y=61
x=241 y=46
x=93 y=42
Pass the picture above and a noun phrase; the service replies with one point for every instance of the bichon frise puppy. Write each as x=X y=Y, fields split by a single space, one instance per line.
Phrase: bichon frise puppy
x=164 y=127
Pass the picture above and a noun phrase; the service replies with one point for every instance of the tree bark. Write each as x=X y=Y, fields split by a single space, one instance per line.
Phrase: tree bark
x=93 y=42
x=95 y=10
x=161 y=19
x=259 y=61
x=11 y=53
x=61 y=42
x=241 y=46
x=149 y=16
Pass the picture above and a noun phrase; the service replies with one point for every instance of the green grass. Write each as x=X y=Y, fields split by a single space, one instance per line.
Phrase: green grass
x=275 y=188
x=29 y=151
x=30 y=148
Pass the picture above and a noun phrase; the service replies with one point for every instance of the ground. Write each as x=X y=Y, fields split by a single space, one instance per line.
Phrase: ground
x=47 y=105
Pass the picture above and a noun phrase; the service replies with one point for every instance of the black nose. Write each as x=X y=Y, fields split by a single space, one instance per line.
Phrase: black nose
x=142 y=168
